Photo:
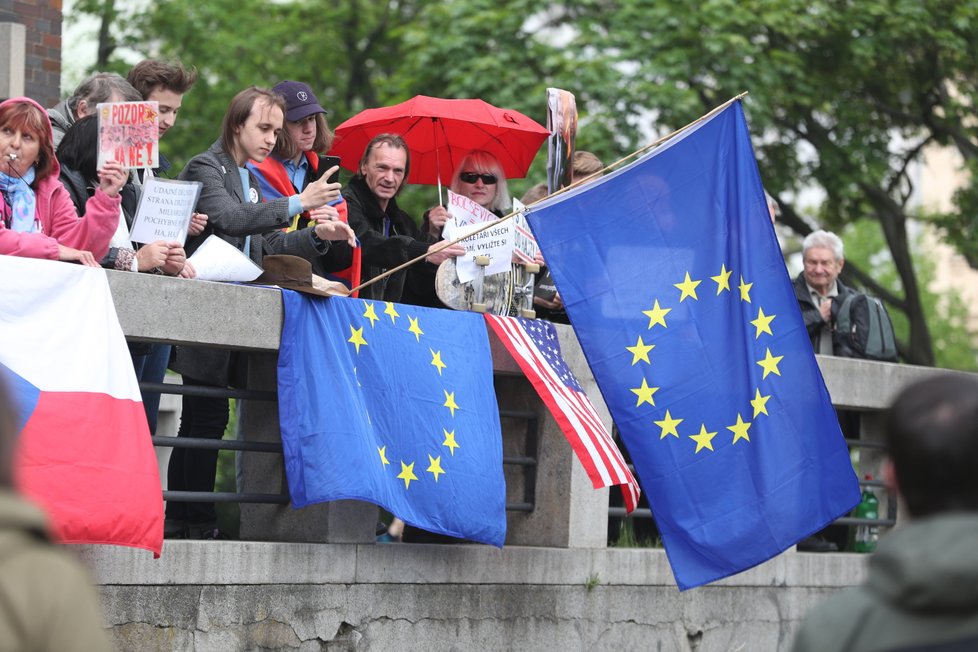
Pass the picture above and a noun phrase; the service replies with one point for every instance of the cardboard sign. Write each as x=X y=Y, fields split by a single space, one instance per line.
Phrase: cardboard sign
x=129 y=132
x=525 y=246
x=164 y=211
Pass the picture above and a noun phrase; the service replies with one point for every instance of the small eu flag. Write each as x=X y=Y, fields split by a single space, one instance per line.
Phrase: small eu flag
x=395 y=405
x=677 y=290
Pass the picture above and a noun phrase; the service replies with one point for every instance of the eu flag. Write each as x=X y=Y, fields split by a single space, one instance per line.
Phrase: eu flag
x=675 y=285
x=392 y=404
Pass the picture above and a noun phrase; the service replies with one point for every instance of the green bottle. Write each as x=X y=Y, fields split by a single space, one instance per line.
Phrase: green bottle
x=869 y=507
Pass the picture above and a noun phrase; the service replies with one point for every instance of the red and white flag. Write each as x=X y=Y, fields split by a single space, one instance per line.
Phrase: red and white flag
x=533 y=344
x=85 y=455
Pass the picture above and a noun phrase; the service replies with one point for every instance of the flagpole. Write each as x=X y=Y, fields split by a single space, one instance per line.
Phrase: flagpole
x=489 y=225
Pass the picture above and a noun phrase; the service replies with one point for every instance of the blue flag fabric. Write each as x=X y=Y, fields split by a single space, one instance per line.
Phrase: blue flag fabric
x=395 y=405
x=674 y=282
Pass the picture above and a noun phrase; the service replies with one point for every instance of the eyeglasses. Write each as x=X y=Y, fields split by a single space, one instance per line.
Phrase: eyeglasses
x=472 y=177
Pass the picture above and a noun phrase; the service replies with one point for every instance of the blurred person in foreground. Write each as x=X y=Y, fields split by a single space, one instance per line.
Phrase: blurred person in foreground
x=47 y=601
x=921 y=589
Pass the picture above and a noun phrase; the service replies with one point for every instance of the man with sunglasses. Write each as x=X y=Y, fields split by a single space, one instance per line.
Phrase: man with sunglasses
x=388 y=236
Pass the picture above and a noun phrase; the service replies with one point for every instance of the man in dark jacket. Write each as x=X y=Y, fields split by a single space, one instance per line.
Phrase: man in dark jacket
x=388 y=236
x=921 y=591
x=819 y=290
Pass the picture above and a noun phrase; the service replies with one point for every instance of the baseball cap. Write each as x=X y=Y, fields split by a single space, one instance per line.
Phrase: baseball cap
x=300 y=101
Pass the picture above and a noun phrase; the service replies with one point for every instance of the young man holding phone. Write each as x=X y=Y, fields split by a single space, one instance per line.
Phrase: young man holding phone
x=299 y=159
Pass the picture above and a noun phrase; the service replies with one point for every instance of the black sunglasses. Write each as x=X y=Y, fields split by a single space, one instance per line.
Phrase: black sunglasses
x=472 y=177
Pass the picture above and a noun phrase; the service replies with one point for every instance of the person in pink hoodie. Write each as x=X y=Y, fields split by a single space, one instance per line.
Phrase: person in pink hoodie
x=38 y=216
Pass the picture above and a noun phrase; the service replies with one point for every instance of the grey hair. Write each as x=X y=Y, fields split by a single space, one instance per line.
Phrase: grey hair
x=99 y=87
x=825 y=239
x=481 y=161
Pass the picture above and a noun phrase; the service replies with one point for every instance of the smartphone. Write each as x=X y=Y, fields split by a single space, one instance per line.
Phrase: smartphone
x=325 y=163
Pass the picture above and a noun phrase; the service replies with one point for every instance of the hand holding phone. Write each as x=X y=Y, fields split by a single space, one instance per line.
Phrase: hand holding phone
x=325 y=163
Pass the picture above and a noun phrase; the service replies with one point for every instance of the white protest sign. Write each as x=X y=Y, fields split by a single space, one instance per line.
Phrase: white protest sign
x=464 y=212
x=164 y=211
x=524 y=244
x=217 y=260
x=495 y=242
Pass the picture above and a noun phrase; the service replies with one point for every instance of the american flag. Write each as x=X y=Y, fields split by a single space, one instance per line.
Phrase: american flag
x=533 y=344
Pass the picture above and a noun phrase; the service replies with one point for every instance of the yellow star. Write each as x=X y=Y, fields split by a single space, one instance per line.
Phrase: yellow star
x=722 y=279
x=407 y=474
x=383 y=455
x=434 y=466
x=762 y=323
x=640 y=351
x=645 y=393
x=668 y=426
x=391 y=311
x=436 y=360
x=657 y=315
x=356 y=337
x=688 y=288
x=450 y=402
x=745 y=290
x=704 y=439
x=739 y=429
x=370 y=314
x=770 y=364
x=759 y=403
x=414 y=328
x=450 y=441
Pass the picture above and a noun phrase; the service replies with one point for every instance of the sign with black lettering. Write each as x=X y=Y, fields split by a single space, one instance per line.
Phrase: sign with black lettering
x=164 y=210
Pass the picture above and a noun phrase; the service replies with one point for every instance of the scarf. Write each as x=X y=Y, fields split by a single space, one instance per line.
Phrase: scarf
x=19 y=194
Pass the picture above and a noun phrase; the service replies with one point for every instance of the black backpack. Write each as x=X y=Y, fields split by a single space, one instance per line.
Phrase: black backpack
x=863 y=326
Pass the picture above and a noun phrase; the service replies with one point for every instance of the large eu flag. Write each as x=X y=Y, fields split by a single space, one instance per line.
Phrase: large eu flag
x=392 y=404
x=675 y=285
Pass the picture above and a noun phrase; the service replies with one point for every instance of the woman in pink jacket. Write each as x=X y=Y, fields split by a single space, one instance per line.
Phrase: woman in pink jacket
x=39 y=219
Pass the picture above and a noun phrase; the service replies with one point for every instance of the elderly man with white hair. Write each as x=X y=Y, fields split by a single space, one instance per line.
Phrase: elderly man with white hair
x=818 y=289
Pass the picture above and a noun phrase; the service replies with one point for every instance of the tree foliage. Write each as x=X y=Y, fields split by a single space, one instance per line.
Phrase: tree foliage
x=843 y=95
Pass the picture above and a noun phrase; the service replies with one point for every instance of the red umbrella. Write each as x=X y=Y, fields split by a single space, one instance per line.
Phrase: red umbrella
x=441 y=132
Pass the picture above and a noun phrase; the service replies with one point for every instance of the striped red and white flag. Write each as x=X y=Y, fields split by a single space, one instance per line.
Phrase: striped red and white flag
x=533 y=344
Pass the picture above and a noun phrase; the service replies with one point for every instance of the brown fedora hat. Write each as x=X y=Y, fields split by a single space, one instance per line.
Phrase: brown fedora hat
x=295 y=273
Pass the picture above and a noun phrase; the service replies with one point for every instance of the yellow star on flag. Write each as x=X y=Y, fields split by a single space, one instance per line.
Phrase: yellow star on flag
x=371 y=314
x=759 y=403
x=640 y=351
x=704 y=439
x=688 y=288
x=434 y=466
x=657 y=315
x=407 y=474
x=383 y=455
x=745 y=290
x=391 y=312
x=722 y=279
x=770 y=364
x=739 y=429
x=450 y=402
x=450 y=441
x=668 y=426
x=356 y=337
x=436 y=360
x=762 y=323
x=644 y=393
x=414 y=328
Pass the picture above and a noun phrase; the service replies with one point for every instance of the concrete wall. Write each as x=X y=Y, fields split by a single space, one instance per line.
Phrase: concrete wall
x=554 y=586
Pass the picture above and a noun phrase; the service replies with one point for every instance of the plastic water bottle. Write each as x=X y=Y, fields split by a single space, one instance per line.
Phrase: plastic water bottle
x=869 y=507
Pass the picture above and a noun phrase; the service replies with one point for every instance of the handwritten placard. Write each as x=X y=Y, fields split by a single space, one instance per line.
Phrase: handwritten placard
x=165 y=209
x=464 y=212
x=495 y=242
x=129 y=132
x=525 y=246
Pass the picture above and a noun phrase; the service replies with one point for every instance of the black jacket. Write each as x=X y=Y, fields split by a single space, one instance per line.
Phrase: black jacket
x=401 y=243
x=813 y=318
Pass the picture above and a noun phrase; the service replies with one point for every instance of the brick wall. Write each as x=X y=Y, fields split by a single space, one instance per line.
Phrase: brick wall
x=42 y=21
